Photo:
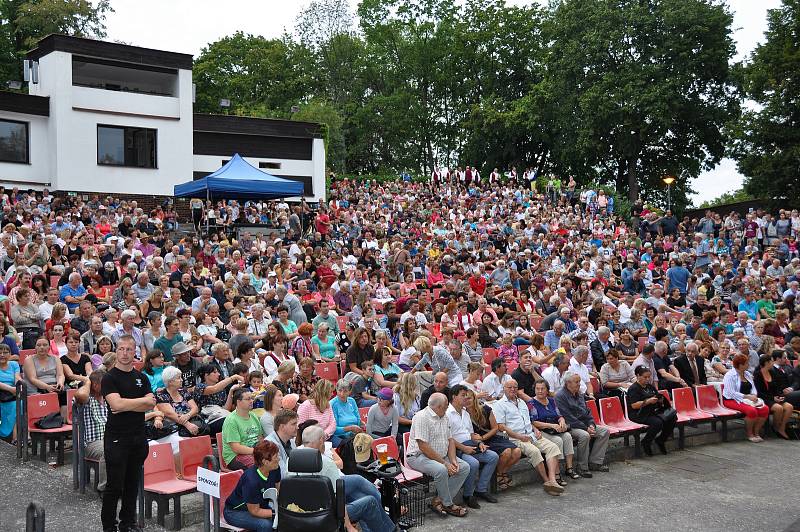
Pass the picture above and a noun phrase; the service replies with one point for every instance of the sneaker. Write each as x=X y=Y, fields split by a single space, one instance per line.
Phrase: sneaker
x=661 y=447
x=647 y=448
x=598 y=467
x=585 y=474
x=553 y=489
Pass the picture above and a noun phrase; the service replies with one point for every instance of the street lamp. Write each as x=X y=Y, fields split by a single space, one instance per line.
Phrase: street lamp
x=668 y=180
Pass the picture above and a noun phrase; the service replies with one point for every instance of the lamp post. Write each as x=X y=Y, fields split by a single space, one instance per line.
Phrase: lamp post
x=668 y=180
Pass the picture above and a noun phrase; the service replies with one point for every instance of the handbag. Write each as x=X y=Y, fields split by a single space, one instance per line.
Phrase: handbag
x=202 y=428
x=211 y=413
x=167 y=427
x=50 y=421
x=6 y=396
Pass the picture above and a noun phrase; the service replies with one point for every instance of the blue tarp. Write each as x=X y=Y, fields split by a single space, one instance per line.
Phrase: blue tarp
x=238 y=179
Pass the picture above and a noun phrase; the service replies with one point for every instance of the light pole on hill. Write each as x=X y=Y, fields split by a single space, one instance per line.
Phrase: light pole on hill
x=668 y=180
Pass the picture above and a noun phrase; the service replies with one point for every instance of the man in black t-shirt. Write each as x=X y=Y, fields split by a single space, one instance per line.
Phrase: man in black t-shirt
x=128 y=394
x=526 y=376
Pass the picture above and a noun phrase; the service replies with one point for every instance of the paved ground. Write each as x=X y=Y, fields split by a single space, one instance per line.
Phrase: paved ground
x=709 y=488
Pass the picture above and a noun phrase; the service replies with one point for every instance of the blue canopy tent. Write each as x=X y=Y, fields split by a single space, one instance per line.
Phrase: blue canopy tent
x=239 y=180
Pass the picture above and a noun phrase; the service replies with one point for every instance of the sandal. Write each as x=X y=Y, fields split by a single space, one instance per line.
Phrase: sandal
x=754 y=439
x=560 y=481
x=571 y=473
x=437 y=507
x=504 y=482
x=456 y=510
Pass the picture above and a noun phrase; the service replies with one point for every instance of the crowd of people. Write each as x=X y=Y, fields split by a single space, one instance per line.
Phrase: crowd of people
x=480 y=317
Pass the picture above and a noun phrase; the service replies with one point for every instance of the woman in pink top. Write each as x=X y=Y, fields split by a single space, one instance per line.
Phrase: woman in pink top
x=318 y=407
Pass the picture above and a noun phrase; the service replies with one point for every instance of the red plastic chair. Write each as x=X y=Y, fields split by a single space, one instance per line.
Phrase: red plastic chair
x=192 y=451
x=327 y=370
x=38 y=406
x=683 y=401
x=54 y=281
x=161 y=483
x=362 y=413
x=708 y=401
x=682 y=418
x=70 y=397
x=23 y=354
x=227 y=483
x=342 y=321
x=222 y=465
x=592 y=406
x=595 y=385
x=642 y=341
x=409 y=474
x=536 y=322
x=489 y=354
x=613 y=416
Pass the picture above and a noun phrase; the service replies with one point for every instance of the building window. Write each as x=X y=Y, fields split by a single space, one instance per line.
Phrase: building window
x=271 y=166
x=14 y=142
x=126 y=146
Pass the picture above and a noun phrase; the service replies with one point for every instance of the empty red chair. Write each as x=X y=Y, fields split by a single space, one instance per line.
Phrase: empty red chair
x=613 y=415
x=362 y=413
x=489 y=354
x=684 y=404
x=38 y=406
x=342 y=321
x=327 y=370
x=192 y=451
x=536 y=322
x=708 y=401
x=161 y=483
x=592 y=406
x=511 y=365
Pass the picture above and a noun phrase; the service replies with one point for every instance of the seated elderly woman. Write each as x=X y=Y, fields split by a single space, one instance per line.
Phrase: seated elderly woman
x=546 y=417
x=616 y=375
x=213 y=395
x=176 y=403
x=345 y=411
x=318 y=408
x=647 y=406
x=740 y=394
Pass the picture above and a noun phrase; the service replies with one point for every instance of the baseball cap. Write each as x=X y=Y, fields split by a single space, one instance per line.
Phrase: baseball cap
x=385 y=394
x=362 y=445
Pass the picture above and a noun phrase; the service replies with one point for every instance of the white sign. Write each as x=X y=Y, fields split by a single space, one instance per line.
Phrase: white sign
x=208 y=482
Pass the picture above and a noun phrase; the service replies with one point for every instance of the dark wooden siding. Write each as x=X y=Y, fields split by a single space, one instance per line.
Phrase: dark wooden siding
x=208 y=143
x=16 y=102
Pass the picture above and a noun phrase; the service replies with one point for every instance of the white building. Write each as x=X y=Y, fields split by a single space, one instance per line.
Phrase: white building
x=110 y=118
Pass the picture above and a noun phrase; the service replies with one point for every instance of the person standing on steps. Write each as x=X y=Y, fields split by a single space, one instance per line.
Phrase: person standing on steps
x=128 y=394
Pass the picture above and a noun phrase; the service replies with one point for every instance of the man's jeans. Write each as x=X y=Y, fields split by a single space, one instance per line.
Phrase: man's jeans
x=489 y=460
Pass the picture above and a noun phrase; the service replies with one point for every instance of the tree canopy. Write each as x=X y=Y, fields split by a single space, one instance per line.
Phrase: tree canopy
x=767 y=144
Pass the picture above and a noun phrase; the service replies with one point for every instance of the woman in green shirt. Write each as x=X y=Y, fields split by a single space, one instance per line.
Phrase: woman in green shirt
x=241 y=431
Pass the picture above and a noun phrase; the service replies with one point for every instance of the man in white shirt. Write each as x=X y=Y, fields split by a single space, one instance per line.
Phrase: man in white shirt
x=46 y=308
x=472 y=452
x=493 y=383
x=513 y=418
x=625 y=309
x=554 y=373
x=580 y=355
x=413 y=312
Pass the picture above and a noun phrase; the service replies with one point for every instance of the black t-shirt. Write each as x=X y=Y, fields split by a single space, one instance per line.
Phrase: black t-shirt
x=525 y=381
x=129 y=385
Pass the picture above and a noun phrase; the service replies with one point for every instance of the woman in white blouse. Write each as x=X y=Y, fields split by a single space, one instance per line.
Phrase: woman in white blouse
x=740 y=394
x=616 y=375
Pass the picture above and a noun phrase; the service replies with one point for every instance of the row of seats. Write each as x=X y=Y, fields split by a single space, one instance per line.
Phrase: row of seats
x=706 y=406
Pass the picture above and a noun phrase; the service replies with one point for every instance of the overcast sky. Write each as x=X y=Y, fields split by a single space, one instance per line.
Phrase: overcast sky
x=188 y=25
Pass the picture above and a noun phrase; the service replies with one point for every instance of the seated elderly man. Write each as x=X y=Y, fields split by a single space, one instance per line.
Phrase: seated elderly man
x=432 y=450
x=363 y=501
x=513 y=418
x=554 y=375
x=577 y=365
x=572 y=406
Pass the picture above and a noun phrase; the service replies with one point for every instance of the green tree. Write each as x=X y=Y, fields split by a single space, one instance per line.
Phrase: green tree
x=767 y=143
x=641 y=88
x=25 y=22
x=734 y=196
x=261 y=77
